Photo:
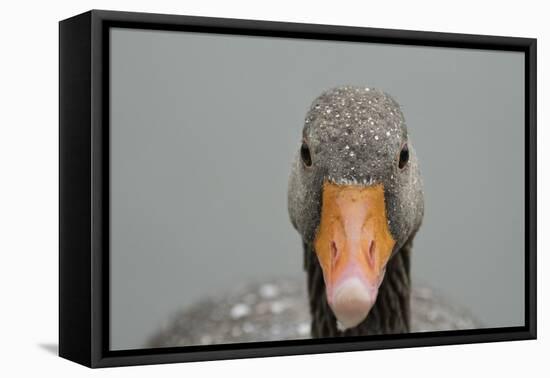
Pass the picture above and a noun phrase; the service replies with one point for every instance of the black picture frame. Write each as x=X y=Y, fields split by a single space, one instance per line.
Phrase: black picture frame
x=84 y=187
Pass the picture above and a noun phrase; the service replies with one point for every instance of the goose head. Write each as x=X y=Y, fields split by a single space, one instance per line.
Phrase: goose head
x=355 y=193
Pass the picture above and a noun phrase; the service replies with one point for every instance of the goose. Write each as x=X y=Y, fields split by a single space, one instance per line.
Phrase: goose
x=355 y=197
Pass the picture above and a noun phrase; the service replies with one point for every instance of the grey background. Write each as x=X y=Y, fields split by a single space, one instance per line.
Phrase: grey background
x=203 y=130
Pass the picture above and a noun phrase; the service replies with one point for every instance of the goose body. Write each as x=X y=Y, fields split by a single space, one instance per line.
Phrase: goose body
x=355 y=196
x=278 y=309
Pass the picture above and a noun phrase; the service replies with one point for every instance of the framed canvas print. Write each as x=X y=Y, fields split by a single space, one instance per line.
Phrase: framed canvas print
x=234 y=188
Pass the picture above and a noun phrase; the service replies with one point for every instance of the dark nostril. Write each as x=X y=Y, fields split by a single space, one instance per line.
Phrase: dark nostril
x=370 y=253
x=333 y=252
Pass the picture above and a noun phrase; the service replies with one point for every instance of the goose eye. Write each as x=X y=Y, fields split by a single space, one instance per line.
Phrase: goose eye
x=403 y=156
x=306 y=155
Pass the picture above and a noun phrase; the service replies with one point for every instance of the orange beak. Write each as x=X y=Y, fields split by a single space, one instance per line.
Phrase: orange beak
x=353 y=245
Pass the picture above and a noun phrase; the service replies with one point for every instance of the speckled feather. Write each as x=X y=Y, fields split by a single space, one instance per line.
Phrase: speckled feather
x=355 y=135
